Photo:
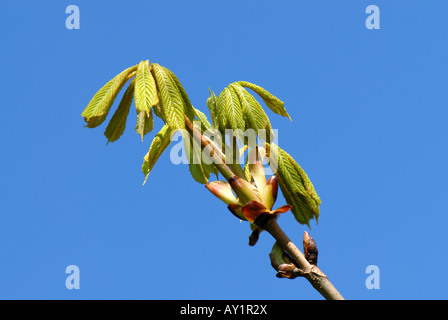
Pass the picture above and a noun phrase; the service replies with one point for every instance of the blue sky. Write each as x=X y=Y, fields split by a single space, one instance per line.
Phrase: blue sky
x=369 y=110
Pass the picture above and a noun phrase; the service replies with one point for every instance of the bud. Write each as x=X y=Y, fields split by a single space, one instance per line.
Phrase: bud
x=236 y=210
x=309 y=248
x=270 y=192
x=286 y=270
x=283 y=263
x=223 y=191
x=256 y=168
x=253 y=209
x=276 y=256
x=244 y=190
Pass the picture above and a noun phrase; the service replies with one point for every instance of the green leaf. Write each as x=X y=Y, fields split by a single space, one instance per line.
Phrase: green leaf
x=294 y=184
x=229 y=111
x=204 y=121
x=172 y=102
x=205 y=125
x=193 y=152
x=161 y=141
x=96 y=111
x=275 y=104
x=145 y=123
x=212 y=105
x=145 y=88
x=117 y=124
x=158 y=111
x=189 y=109
x=254 y=114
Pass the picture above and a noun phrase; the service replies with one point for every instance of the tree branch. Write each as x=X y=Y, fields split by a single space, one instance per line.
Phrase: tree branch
x=311 y=272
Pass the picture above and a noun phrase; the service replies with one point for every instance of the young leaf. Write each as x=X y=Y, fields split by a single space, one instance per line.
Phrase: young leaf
x=294 y=184
x=275 y=104
x=117 y=124
x=98 y=108
x=161 y=141
x=145 y=88
x=189 y=109
x=254 y=114
x=145 y=123
x=158 y=110
x=205 y=125
x=277 y=255
x=193 y=153
x=204 y=121
x=229 y=111
x=172 y=100
x=211 y=104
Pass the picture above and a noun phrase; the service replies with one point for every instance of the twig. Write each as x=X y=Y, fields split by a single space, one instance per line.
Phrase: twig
x=311 y=272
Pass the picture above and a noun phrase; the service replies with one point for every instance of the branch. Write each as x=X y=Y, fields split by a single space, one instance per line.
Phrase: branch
x=219 y=159
x=311 y=272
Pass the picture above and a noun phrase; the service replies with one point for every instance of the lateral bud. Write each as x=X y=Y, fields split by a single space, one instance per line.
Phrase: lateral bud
x=310 y=249
x=287 y=270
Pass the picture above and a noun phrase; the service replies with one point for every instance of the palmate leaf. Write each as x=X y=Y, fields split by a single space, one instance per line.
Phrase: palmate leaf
x=189 y=109
x=235 y=108
x=145 y=123
x=98 y=108
x=229 y=111
x=275 y=104
x=161 y=141
x=117 y=124
x=294 y=184
x=172 y=102
x=145 y=88
x=254 y=114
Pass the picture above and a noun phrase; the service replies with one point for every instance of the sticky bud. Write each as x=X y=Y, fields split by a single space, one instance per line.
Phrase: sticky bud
x=309 y=248
x=286 y=270
x=253 y=209
x=244 y=190
x=222 y=191
x=270 y=192
x=256 y=168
